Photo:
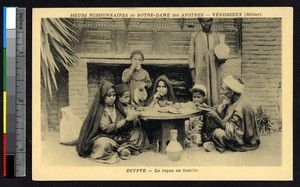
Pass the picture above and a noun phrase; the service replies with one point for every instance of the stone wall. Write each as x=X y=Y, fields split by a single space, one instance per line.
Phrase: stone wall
x=52 y=106
x=261 y=63
x=78 y=89
x=260 y=68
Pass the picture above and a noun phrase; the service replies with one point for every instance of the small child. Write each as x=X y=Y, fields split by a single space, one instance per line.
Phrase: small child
x=123 y=102
x=123 y=94
x=135 y=74
x=194 y=125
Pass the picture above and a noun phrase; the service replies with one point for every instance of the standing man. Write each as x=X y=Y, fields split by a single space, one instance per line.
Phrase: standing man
x=204 y=65
x=235 y=117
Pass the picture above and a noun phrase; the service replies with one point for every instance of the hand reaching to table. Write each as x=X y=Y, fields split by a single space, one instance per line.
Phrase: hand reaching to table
x=132 y=115
x=212 y=113
x=200 y=106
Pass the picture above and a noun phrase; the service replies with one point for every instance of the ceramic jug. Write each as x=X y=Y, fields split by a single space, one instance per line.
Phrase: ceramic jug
x=222 y=50
x=174 y=148
x=70 y=126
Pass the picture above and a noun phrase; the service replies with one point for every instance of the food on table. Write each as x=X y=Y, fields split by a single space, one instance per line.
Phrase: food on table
x=163 y=110
x=175 y=111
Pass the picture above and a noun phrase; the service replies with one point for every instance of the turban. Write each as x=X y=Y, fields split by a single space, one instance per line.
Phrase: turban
x=199 y=87
x=121 y=88
x=233 y=84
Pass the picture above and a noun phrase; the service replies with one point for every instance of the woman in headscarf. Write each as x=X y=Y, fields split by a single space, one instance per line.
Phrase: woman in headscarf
x=104 y=136
x=161 y=96
x=162 y=93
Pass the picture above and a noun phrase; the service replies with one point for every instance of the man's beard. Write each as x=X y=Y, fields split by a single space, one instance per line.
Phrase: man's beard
x=206 y=29
x=226 y=101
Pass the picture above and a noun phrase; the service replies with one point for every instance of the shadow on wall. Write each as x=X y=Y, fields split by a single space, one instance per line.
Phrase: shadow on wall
x=51 y=108
x=179 y=76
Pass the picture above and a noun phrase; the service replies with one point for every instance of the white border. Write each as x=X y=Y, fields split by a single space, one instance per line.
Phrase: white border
x=284 y=172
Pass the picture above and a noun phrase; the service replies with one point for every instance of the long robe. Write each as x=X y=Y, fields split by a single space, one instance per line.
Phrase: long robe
x=241 y=130
x=99 y=138
x=206 y=64
x=115 y=144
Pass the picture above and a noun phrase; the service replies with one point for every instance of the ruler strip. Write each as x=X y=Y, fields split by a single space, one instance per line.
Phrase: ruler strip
x=14 y=91
x=10 y=45
x=20 y=94
x=4 y=92
x=4 y=155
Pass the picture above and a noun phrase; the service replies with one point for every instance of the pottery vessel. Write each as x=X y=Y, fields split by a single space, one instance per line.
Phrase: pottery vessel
x=70 y=126
x=222 y=50
x=174 y=148
x=209 y=146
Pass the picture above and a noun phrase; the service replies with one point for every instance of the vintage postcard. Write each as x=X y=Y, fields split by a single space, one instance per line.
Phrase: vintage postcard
x=162 y=93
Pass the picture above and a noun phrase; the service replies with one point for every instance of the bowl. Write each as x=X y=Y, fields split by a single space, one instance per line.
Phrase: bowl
x=209 y=146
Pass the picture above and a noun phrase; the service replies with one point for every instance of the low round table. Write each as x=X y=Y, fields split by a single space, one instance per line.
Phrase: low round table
x=167 y=121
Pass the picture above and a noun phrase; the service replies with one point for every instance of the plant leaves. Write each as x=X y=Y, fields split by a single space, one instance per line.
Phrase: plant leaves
x=56 y=49
x=64 y=29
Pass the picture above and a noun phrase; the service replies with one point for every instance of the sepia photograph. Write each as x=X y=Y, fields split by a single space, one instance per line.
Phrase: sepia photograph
x=162 y=94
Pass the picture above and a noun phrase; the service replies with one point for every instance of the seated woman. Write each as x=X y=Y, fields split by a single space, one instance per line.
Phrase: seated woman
x=162 y=94
x=104 y=136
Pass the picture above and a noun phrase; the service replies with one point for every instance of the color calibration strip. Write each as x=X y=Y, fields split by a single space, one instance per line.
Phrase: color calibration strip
x=14 y=92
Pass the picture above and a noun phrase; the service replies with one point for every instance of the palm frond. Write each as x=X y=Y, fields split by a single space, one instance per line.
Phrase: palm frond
x=69 y=28
x=61 y=28
x=56 y=49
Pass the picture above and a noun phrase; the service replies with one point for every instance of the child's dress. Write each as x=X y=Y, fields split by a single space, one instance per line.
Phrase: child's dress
x=135 y=79
x=193 y=128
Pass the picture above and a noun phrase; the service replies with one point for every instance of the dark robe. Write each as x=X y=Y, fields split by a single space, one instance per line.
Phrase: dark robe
x=100 y=140
x=90 y=128
x=241 y=130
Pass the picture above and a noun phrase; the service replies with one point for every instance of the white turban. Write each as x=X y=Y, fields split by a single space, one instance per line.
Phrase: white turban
x=233 y=84
x=200 y=87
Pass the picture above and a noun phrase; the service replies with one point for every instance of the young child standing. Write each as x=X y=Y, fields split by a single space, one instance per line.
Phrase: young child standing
x=193 y=126
x=135 y=75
